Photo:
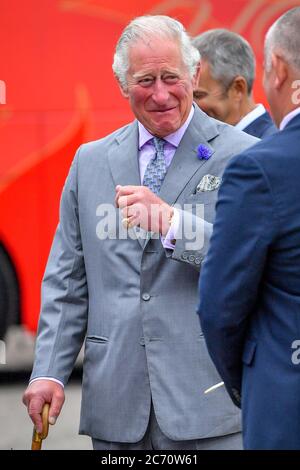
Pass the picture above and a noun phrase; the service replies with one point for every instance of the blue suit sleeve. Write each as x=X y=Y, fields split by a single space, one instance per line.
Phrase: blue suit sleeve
x=232 y=274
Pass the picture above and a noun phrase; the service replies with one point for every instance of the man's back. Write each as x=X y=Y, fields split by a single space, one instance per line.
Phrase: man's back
x=253 y=265
x=251 y=317
x=271 y=376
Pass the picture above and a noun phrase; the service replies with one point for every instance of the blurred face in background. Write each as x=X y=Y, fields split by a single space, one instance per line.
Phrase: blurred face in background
x=214 y=99
x=159 y=87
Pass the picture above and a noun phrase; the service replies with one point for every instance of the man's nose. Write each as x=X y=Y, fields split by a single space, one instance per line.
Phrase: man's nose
x=160 y=93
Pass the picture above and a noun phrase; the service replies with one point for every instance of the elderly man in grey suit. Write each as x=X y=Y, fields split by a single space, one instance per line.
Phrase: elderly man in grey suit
x=128 y=288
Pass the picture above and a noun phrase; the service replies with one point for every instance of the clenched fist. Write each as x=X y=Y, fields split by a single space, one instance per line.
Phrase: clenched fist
x=142 y=207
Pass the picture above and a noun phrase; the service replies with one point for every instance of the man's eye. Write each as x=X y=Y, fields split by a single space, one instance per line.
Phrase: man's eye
x=170 y=78
x=198 y=95
x=146 y=81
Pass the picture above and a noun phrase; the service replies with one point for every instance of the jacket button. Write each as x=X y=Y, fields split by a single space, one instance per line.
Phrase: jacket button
x=191 y=258
x=184 y=255
x=198 y=261
x=146 y=296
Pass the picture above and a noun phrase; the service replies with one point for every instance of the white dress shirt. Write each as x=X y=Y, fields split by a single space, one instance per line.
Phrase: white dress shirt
x=288 y=118
x=258 y=111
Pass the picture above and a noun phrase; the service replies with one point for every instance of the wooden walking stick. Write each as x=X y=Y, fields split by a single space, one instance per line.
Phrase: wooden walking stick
x=37 y=437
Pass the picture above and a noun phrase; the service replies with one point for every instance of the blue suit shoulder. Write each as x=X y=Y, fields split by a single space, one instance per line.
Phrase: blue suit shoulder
x=277 y=160
x=262 y=127
x=278 y=147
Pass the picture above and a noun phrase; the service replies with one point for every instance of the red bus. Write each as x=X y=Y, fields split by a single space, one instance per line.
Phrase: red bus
x=59 y=91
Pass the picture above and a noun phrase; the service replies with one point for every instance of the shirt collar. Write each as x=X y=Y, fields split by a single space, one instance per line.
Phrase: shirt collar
x=288 y=118
x=258 y=111
x=173 y=139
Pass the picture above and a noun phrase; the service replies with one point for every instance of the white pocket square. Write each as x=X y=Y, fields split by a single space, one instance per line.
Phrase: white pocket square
x=209 y=183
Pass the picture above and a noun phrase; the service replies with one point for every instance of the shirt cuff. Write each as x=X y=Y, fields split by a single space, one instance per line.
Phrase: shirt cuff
x=168 y=240
x=47 y=378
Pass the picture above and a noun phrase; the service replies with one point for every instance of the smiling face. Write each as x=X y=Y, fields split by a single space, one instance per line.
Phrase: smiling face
x=159 y=88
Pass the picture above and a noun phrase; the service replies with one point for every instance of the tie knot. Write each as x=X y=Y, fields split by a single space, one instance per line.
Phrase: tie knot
x=159 y=144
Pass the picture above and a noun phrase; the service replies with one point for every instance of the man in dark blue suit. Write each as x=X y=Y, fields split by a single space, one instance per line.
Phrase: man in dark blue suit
x=224 y=89
x=250 y=283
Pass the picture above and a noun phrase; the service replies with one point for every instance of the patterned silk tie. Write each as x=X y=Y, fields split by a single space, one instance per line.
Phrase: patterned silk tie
x=156 y=169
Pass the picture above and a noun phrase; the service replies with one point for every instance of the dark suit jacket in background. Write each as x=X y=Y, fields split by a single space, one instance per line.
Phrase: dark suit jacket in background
x=250 y=289
x=262 y=127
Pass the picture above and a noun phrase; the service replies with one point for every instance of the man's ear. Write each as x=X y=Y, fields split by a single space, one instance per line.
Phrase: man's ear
x=280 y=68
x=123 y=90
x=238 y=88
x=196 y=76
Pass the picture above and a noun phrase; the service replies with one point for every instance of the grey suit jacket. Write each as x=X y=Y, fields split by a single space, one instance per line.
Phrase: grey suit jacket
x=130 y=301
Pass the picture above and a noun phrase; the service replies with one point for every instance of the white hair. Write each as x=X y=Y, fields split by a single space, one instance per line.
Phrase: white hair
x=284 y=37
x=148 y=27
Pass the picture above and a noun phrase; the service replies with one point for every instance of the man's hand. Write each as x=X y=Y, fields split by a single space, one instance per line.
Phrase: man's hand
x=142 y=207
x=41 y=392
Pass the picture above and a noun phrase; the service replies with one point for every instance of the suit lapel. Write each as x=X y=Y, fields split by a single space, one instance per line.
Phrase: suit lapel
x=123 y=157
x=185 y=162
x=124 y=165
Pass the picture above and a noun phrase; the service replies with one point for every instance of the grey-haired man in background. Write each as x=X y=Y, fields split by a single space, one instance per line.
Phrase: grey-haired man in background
x=225 y=84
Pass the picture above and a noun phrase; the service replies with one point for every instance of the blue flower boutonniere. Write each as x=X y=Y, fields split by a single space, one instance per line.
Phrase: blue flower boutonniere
x=203 y=152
